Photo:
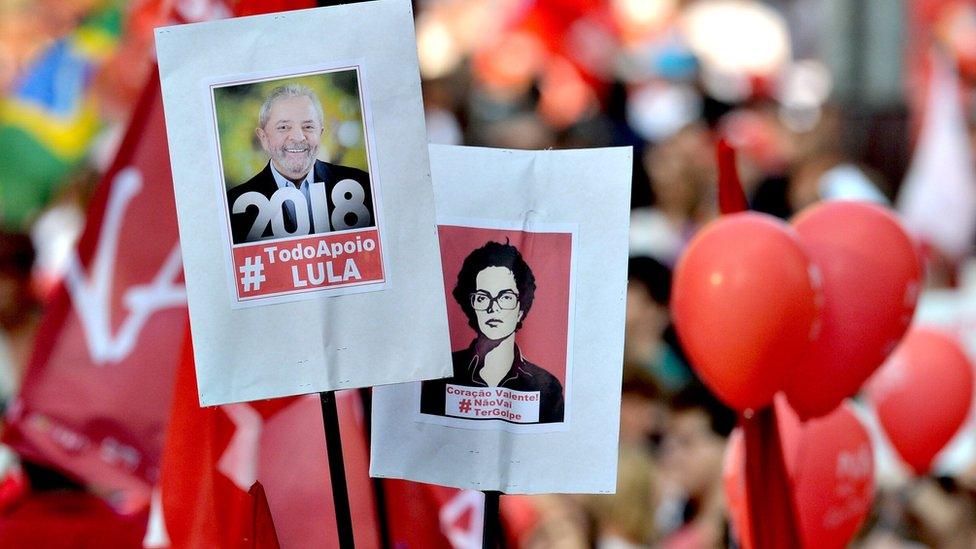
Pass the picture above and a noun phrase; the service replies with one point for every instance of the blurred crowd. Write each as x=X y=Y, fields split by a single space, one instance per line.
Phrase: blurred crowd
x=669 y=78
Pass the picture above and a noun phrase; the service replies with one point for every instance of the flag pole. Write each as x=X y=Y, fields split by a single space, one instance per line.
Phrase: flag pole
x=772 y=513
x=492 y=526
x=337 y=469
x=379 y=491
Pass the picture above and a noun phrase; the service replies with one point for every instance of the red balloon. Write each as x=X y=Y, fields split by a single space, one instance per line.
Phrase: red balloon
x=745 y=306
x=871 y=278
x=831 y=468
x=922 y=395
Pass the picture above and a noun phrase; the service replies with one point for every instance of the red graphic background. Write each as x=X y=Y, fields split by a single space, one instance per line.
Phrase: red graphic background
x=545 y=329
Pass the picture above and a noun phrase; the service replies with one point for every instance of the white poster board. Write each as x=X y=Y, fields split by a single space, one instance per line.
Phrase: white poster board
x=304 y=200
x=534 y=252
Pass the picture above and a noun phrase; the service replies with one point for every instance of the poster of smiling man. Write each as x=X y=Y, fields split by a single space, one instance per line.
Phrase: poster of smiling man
x=295 y=164
x=304 y=200
x=534 y=269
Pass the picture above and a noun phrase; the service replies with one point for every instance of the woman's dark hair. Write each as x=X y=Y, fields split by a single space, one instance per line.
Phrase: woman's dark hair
x=494 y=254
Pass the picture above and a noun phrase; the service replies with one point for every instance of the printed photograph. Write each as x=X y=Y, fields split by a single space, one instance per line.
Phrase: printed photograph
x=508 y=304
x=294 y=156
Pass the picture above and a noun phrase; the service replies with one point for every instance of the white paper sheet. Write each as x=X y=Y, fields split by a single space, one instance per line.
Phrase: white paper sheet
x=304 y=288
x=549 y=422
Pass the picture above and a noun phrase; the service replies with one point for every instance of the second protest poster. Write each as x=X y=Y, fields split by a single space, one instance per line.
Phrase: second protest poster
x=534 y=254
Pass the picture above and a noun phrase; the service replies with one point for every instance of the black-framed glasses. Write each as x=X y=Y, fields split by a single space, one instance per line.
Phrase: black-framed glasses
x=506 y=300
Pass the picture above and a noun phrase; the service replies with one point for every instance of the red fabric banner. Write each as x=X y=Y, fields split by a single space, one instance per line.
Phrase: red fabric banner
x=97 y=389
x=215 y=455
x=427 y=516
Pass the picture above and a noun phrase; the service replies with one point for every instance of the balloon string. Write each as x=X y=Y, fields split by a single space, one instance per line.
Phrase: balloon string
x=731 y=198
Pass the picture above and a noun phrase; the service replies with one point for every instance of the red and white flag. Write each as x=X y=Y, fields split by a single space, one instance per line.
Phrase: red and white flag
x=214 y=456
x=938 y=199
x=427 y=516
x=97 y=389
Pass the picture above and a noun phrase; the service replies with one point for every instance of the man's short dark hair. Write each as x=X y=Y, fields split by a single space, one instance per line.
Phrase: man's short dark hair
x=494 y=254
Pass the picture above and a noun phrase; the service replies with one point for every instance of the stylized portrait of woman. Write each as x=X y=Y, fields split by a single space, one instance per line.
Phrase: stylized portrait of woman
x=495 y=289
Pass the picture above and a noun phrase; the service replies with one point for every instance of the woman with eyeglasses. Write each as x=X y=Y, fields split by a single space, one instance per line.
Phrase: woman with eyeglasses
x=495 y=288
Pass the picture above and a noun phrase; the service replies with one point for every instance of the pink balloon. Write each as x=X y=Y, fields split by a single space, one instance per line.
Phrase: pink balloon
x=745 y=306
x=922 y=395
x=871 y=278
x=831 y=468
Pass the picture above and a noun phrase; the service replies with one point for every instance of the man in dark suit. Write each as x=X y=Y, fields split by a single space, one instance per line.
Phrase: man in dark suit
x=282 y=200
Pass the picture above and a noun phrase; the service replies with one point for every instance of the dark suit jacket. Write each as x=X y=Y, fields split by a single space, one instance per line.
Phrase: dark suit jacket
x=523 y=376
x=264 y=183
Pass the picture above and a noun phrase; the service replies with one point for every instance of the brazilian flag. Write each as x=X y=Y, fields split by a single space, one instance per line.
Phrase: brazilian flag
x=48 y=119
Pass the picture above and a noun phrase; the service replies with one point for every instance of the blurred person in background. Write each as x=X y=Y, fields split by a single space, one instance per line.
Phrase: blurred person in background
x=786 y=171
x=828 y=177
x=643 y=411
x=441 y=104
x=942 y=512
x=885 y=527
x=562 y=523
x=523 y=130
x=682 y=175
x=924 y=512
x=18 y=310
x=693 y=450
x=650 y=341
x=624 y=520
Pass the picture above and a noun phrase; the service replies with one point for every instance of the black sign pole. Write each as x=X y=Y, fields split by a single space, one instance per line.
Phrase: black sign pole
x=492 y=527
x=337 y=470
x=379 y=490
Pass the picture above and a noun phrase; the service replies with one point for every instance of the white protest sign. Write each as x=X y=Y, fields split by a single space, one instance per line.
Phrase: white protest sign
x=534 y=254
x=304 y=200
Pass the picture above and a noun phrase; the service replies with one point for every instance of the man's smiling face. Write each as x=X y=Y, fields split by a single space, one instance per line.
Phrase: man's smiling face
x=291 y=136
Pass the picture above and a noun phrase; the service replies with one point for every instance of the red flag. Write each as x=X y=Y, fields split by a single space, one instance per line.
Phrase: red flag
x=938 y=197
x=255 y=7
x=263 y=535
x=98 y=385
x=68 y=520
x=414 y=512
x=215 y=455
x=201 y=509
x=731 y=198
x=430 y=516
x=765 y=467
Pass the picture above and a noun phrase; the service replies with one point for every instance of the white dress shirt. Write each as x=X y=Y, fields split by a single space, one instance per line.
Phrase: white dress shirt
x=304 y=187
